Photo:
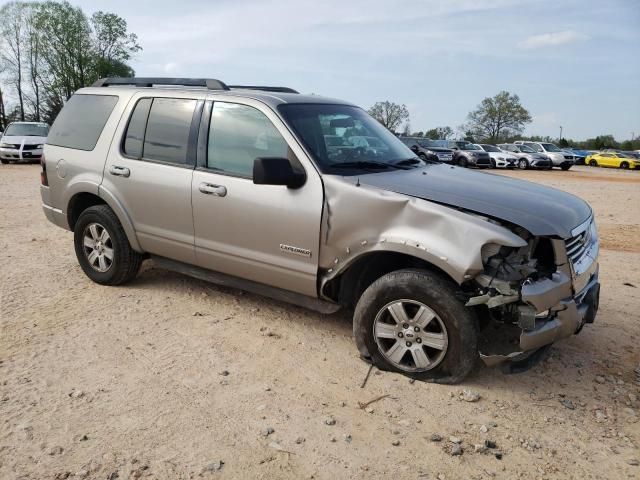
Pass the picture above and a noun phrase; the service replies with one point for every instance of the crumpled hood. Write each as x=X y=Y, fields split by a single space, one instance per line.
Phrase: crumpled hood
x=18 y=139
x=543 y=211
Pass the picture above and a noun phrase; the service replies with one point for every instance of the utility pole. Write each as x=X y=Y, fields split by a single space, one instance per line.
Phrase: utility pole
x=560 y=132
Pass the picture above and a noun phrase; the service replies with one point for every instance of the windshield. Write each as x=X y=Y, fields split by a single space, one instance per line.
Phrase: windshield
x=550 y=147
x=490 y=148
x=441 y=143
x=27 y=130
x=526 y=149
x=467 y=146
x=346 y=140
x=426 y=143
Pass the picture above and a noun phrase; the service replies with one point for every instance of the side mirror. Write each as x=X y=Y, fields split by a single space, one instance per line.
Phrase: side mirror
x=276 y=171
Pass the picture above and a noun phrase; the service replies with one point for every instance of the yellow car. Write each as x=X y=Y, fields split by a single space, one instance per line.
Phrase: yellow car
x=612 y=159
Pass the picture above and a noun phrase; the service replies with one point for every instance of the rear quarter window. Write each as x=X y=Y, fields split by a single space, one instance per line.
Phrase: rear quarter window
x=81 y=121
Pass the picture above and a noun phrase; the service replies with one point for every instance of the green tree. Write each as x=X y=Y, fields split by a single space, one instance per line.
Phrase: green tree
x=113 y=45
x=13 y=47
x=439 y=133
x=391 y=115
x=498 y=117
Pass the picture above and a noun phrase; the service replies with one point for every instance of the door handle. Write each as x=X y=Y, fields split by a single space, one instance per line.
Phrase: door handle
x=119 y=171
x=211 y=189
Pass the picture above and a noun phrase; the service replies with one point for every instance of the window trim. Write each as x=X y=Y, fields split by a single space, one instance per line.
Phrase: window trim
x=192 y=139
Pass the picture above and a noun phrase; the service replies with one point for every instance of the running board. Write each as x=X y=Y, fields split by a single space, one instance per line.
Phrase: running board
x=246 y=285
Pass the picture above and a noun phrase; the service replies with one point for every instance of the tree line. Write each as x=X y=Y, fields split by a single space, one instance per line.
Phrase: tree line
x=50 y=49
x=497 y=119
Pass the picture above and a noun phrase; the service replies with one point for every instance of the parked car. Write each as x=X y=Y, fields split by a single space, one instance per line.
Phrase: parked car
x=580 y=154
x=467 y=154
x=527 y=156
x=613 y=159
x=499 y=159
x=558 y=157
x=235 y=185
x=428 y=149
x=23 y=142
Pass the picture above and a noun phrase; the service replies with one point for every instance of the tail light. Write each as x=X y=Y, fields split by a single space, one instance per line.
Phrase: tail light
x=43 y=174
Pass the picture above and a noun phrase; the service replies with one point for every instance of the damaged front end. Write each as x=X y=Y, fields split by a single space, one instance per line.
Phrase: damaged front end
x=529 y=297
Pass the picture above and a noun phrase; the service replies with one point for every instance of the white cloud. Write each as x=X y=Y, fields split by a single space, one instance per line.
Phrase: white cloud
x=552 y=39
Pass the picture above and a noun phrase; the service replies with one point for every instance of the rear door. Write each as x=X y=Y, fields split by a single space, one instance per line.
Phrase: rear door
x=149 y=172
x=264 y=233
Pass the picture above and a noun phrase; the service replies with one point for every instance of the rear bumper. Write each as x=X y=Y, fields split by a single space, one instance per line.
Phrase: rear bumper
x=54 y=215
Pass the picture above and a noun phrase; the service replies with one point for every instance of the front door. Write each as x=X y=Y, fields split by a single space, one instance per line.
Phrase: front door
x=264 y=233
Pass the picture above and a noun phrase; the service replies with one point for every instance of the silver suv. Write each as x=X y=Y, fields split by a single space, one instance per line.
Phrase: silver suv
x=558 y=157
x=264 y=189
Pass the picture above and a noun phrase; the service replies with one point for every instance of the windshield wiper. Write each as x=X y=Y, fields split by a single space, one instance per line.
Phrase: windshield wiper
x=410 y=161
x=366 y=165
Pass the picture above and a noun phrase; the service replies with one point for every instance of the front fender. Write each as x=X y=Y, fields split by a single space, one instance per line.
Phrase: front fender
x=358 y=219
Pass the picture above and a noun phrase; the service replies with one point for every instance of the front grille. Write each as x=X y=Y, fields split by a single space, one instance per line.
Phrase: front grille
x=577 y=246
x=568 y=157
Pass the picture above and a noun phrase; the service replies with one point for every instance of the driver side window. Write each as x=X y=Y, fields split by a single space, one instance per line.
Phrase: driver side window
x=238 y=134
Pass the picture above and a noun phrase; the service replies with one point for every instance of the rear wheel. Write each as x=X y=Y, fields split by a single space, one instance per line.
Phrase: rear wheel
x=410 y=321
x=624 y=165
x=4 y=162
x=523 y=164
x=423 y=156
x=102 y=247
x=593 y=163
x=493 y=164
x=565 y=167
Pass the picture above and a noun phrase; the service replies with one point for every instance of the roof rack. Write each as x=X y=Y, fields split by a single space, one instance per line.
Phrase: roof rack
x=209 y=83
x=265 y=89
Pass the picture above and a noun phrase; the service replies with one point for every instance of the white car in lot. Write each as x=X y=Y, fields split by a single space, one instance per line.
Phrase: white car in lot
x=23 y=142
x=559 y=158
x=499 y=159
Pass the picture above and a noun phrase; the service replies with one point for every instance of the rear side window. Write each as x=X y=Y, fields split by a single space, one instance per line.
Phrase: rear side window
x=238 y=135
x=81 y=121
x=159 y=130
x=168 y=126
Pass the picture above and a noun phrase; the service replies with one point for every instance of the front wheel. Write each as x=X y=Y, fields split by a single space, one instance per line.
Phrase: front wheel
x=523 y=164
x=565 y=167
x=102 y=247
x=463 y=162
x=410 y=321
x=624 y=165
x=593 y=163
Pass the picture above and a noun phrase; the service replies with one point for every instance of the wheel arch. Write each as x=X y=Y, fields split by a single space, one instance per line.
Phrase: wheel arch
x=347 y=284
x=80 y=201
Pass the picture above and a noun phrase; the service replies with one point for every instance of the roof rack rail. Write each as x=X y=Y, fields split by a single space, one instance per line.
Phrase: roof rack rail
x=210 y=83
x=265 y=89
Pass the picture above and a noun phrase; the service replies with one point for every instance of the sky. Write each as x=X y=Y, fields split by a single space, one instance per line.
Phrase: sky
x=574 y=63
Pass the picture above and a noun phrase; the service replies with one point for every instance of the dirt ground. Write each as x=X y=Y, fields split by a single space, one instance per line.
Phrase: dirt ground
x=171 y=377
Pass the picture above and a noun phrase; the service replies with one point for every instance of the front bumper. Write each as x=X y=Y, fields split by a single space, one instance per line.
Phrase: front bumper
x=540 y=164
x=565 y=318
x=20 y=155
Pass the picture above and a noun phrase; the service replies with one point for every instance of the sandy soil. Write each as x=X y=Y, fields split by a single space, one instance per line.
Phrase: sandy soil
x=168 y=377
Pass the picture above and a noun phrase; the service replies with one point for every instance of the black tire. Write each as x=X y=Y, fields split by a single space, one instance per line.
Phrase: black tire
x=463 y=162
x=493 y=164
x=126 y=261
x=423 y=156
x=523 y=164
x=4 y=162
x=593 y=163
x=565 y=167
x=624 y=165
x=439 y=295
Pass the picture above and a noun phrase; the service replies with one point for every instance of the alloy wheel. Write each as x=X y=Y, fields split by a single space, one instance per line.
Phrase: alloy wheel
x=410 y=335
x=98 y=247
